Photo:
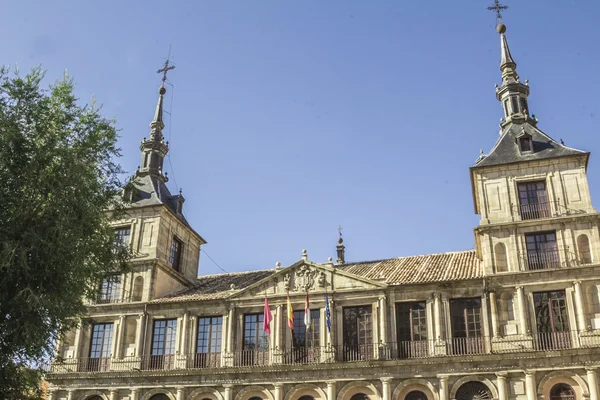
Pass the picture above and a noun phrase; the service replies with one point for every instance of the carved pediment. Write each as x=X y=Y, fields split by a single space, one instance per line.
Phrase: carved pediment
x=305 y=277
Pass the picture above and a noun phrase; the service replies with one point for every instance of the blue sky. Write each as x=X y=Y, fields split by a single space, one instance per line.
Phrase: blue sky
x=289 y=118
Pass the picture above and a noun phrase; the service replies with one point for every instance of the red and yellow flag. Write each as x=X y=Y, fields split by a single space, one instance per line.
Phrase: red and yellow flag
x=290 y=314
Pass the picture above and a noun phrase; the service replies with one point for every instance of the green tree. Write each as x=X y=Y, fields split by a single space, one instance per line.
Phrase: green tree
x=58 y=178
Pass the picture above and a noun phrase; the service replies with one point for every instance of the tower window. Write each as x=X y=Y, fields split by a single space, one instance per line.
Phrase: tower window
x=514 y=102
x=525 y=144
x=523 y=105
x=175 y=256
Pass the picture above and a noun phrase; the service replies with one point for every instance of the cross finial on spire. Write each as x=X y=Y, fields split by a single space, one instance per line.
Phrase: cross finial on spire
x=166 y=67
x=339 y=228
x=497 y=8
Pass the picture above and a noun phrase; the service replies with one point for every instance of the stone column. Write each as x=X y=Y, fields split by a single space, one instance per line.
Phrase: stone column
x=183 y=346
x=331 y=390
x=522 y=311
x=387 y=388
x=70 y=395
x=437 y=316
x=114 y=394
x=227 y=394
x=230 y=328
x=134 y=394
x=443 y=387
x=383 y=320
x=278 y=327
x=494 y=312
x=120 y=337
x=530 y=389
x=278 y=387
x=77 y=341
x=501 y=383
x=141 y=325
x=180 y=393
x=593 y=383
x=579 y=311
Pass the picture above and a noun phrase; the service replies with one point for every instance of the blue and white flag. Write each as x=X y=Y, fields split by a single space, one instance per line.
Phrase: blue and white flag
x=327 y=313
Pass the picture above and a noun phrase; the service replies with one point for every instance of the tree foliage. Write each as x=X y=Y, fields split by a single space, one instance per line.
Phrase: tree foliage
x=58 y=177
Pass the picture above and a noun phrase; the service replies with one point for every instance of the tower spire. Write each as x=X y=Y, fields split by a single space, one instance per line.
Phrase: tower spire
x=155 y=149
x=512 y=94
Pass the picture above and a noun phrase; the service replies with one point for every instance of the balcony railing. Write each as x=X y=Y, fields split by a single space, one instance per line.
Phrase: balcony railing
x=535 y=211
x=403 y=350
x=547 y=259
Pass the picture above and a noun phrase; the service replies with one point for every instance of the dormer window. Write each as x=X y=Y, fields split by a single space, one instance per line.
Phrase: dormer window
x=525 y=144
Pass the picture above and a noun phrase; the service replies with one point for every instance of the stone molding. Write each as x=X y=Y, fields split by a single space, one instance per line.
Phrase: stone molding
x=426 y=386
x=305 y=386
x=152 y=392
x=242 y=394
x=89 y=393
x=205 y=390
x=563 y=374
x=474 y=378
x=358 y=384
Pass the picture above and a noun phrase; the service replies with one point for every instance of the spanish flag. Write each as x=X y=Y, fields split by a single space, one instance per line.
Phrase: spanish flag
x=290 y=314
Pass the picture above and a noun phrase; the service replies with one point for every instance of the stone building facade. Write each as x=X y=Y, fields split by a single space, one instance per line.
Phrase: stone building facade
x=518 y=318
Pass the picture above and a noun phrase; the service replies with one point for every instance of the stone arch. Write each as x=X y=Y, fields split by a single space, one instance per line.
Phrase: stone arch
x=501 y=257
x=90 y=393
x=152 y=392
x=408 y=385
x=476 y=378
x=138 y=288
x=583 y=249
x=568 y=377
x=205 y=392
x=252 y=391
x=354 y=387
x=304 y=389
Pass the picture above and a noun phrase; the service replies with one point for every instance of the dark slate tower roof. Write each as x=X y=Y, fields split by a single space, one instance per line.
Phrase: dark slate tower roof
x=507 y=149
x=517 y=123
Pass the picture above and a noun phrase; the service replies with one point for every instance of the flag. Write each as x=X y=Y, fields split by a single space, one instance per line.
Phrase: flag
x=267 y=317
x=290 y=314
x=327 y=314
x=307 y=313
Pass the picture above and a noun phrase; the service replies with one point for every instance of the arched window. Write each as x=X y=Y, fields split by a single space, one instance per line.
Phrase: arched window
x=562 y=391
x=306 y=398
x=359 y=396
x=94 y=397
x=416 y=395
x=501 y=258
x=255 y=398
x=138 y=289
x=473 y=391
x=583 y=247
x=160 y=396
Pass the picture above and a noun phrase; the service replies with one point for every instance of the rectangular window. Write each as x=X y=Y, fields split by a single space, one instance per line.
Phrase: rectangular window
x=255 y=341
x=208 y=345
x=552 y=320
x=110 y=290
x=358 y=333
x=175 y=256
x=542 y=250
x=467 y=336
x=514 y=102
x=305 y=346
x=163 y=344
x=523 y=105
x=411 y=321
x=533 y=200
x=122 y=236
x=100 y=348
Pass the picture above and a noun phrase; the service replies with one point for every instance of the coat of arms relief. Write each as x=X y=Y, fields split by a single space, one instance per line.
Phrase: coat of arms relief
x=305 y=278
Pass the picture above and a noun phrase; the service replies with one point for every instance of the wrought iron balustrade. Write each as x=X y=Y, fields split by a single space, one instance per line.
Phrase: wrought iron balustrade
x=546 y=259
x=535 y=210
x=402 y=350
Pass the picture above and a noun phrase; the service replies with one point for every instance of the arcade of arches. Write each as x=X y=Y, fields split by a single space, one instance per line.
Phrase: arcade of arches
x=553 y=387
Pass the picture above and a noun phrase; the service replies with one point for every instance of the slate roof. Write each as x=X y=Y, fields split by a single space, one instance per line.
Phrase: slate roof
x=443 y=267
x=506 y=150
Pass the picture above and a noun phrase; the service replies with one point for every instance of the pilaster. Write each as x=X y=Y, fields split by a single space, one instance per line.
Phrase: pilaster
x=592 y=378
x=530 y=388
x=331 y=390
x=579 y=309
x=501 y=383
x=387 y=388
x=523 y=325
x=443 y=387
x=494 y=315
